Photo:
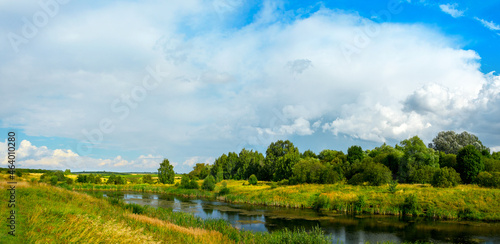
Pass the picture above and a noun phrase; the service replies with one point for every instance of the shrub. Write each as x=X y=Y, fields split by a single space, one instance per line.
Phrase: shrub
x=252 y=180
x=445 y=177
x=375 y=174
x=19 y=173
x=224 y=190
x=392 y=186
x=69 y=181
x=489 y=179
x=193 y=184
x=208 y=183
x=410 y=205
x=53 y=180
x=360 y=203
x=274 y=185
x=284 y=182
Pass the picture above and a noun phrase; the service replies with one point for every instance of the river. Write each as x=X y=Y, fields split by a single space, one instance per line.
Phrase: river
x=344 y=228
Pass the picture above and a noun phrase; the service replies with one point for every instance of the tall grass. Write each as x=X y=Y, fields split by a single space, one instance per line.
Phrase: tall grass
x=48 y=214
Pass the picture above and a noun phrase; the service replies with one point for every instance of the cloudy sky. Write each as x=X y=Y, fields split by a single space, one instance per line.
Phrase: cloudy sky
x=120 y=85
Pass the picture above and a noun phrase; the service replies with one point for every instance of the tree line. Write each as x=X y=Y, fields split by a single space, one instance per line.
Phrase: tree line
x=450 y=159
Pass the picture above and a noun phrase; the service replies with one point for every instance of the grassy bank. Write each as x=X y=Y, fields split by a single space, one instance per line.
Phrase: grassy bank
x=47 y=214
x=462 y=202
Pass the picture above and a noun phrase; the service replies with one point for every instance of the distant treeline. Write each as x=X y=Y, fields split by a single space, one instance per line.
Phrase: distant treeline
x=450 y=159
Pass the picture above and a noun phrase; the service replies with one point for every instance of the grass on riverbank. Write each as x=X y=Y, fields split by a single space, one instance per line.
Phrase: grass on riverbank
x=462 y=202
x=47 y=214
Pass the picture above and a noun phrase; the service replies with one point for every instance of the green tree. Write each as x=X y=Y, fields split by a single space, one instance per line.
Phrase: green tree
x=375 y=174
x=308 y=154
x=53 y=180
x=354 y=153
x=445 y=177
x=67 y=172
x=281 y=156
x=200 y=170
x=111 y=180
x=166 y=174
x=469 y=163
x=208 y=183
x=252 y=180
x=417 y=159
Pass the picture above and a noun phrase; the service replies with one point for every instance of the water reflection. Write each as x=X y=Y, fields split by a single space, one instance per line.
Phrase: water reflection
x=347 y=229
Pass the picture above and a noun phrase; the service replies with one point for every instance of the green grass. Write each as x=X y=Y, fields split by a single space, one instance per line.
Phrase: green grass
x=462 y=202
x=48 y=214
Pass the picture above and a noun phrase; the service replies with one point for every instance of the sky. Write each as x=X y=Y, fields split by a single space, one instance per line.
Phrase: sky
x=121 y=85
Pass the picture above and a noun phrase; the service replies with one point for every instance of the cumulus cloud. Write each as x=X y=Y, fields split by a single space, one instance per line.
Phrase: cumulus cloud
x=229 y=83
x=488 y=24
x=31 y=156
x=451 y=9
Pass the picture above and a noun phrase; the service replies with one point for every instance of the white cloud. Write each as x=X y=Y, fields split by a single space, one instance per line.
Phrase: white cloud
x=452 y=10
x=192 y=161
x=31 y=156
x=225 y=82
x=488 y=24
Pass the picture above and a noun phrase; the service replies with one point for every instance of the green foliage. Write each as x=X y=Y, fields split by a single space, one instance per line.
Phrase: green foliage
x=469 y=163
x=208 y=183
x=19 y=173
x=417 y=161
x=166 y=174
x=487 y=179
x=53 y=180
x=308 y=154
x=354 y=153
x=447 y=160
x=69 y=181
x=223 y=190
x=67 y=172
x=393 y=186
x=360 y=203
x=450 y=142
x=410 y=205
x=147 y=179
x=281 y=156
x=252 y=180
x=200 y=170
x=491 y=164
x=374 y=174
x=446 y=177
x=274 y=185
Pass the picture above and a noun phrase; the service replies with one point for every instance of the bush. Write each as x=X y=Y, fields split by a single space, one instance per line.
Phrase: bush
x=252 y=180
x=53 y=180
x=284 y=182
x=489 y=179
x=274 y=185
x=69 y=181
x=19 y=173
x=410 y=205
x=360 y=203
x=224 y=190
x=445 y=177
x=392 y=186
x=208 y=183
x=193 y=184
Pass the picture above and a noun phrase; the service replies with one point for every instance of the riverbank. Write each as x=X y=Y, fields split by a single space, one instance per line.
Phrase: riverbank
x=48 y=214
x=464 y=202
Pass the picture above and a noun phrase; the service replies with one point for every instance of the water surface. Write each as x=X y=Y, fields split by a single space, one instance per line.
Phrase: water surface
x=345 y=228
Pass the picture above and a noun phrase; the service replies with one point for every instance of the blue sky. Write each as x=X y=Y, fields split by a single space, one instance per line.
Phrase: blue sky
x=120 y=85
